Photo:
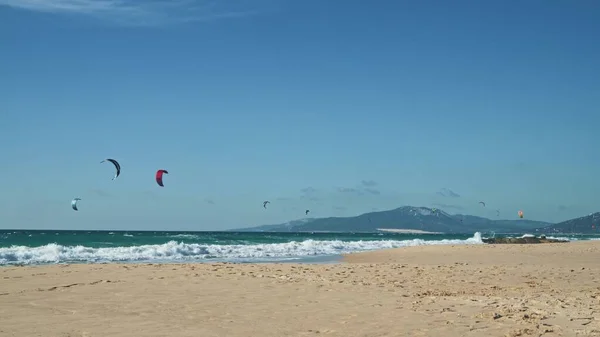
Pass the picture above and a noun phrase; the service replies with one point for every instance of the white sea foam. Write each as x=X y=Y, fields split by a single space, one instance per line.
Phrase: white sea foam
x=184 y=236
x=177 y=251
x=564 y=238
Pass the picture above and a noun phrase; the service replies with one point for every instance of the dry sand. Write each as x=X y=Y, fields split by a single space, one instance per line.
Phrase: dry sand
x=487 y=290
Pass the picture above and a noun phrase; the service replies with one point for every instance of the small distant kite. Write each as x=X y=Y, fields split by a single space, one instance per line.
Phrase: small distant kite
x=159 y=177
x=74 y=203
x=497 y=212
x=265 y=203
x=307 y=211
x=521 y=214
x=483 y=203
x=117 y=166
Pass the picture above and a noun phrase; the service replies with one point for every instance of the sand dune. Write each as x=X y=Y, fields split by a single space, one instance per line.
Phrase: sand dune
x=485 y=290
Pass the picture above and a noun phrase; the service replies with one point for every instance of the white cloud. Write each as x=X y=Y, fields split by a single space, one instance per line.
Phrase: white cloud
x=139 y=12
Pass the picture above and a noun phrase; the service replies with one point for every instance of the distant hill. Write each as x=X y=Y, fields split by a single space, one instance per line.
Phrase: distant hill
x=583 y=225
x=503 y=225
x=406 y=217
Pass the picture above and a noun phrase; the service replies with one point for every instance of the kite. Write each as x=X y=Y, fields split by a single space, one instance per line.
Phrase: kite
x=159 y=176
x=74 y=203
x=117 y=166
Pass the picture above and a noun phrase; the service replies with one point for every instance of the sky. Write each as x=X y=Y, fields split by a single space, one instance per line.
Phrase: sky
x=341 y=107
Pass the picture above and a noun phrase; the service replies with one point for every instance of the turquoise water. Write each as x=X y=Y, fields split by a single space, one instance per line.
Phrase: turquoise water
x=52 y=246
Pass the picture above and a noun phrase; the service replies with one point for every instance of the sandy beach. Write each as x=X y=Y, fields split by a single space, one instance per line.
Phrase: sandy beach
x=471 y=290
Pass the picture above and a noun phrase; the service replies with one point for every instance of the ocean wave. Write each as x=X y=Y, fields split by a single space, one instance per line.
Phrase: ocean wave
x=184 y=236
x=173 y=251
x=564 y=238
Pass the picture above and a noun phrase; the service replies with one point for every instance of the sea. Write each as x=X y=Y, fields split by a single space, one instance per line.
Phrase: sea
x=35 y=247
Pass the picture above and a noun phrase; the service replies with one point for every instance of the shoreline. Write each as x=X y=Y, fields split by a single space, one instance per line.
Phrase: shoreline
x=306 y=259
x=317 y=260
x=379 y=256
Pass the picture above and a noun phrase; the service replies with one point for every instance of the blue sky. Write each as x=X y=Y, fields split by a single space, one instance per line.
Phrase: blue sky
x=303 y=103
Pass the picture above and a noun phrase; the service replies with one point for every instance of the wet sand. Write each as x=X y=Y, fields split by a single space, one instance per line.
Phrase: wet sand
x=482 y=290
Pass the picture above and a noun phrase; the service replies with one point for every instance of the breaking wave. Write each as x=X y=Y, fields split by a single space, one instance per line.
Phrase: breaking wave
x=174 y=251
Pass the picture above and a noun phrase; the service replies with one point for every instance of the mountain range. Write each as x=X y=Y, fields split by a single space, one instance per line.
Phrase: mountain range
x=430 y=220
